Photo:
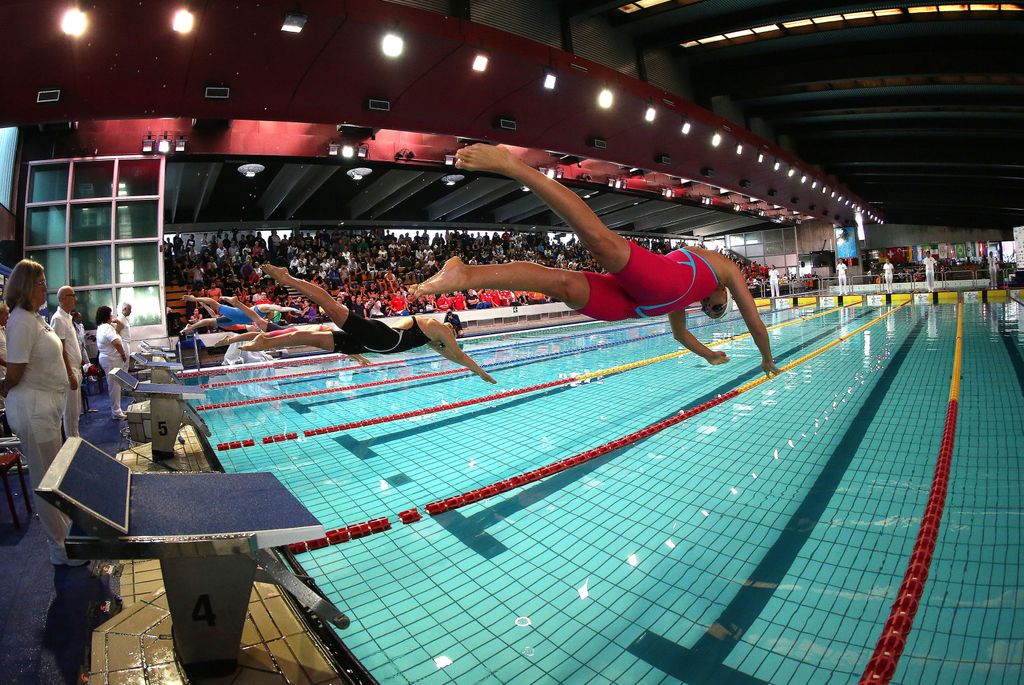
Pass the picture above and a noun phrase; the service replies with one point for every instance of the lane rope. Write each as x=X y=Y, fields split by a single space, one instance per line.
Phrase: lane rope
x=438 y=507
x=882 y=666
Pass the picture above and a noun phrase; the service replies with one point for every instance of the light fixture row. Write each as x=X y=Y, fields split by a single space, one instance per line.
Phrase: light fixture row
x=74 y=22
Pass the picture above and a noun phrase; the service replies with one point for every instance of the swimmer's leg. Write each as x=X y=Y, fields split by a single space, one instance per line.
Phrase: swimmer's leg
x=571 y=287
x=336 y=312
x=322 y=339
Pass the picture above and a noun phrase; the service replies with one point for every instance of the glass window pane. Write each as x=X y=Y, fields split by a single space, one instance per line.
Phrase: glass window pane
x=136 y=219
x=137 y=262
x=53 y=265
x=145 y=301
x=49 y=183
x=93 y=179
x=46 y=225
x=90 y=222
x=90 y=265
x=138 y=177
x=91 y=300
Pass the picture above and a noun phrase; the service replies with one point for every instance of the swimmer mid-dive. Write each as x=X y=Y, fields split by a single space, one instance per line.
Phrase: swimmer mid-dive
x=359 y=335
x=638 y=284
x=227 y=316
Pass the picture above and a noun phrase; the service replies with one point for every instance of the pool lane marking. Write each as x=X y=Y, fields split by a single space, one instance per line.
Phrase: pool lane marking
x=434 y=374
x=281 y=437
x=322 y=358
x=451 y=503
x=882 y=665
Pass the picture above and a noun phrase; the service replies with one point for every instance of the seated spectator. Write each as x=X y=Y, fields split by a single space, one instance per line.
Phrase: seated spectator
x=459 y=302
x=443 y=303
x=472 y=299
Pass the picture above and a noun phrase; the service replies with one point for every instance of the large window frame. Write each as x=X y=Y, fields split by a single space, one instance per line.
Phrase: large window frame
x=112 y=242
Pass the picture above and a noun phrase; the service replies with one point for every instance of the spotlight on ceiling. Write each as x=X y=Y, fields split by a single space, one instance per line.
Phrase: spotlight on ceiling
x=480 y=62
x=605 y=98
x=348 y=152
x=183 y=21
x=293 y=22
x=392 y=45
x=359 y=173
x=452 y=179
x=74 y=22
x=163 y=146
x=686 y=127
x=250 y=170
x=550 y=80
x=716 y=139
x=650 y=114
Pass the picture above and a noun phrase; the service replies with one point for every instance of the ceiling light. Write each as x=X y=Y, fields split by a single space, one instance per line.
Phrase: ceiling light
x=650 y=113
x=333 y=149
x=480 y=62
x=183 y=21
x=550 y=80
x=147 y=144
x=814 y=184
x=791 y=171
x=74 y=22
x=392 y=45
x=179 y=144
x=250 y=170
x=739 y=148
x=605 y=98
x=347 y=151
x=293 y=22
x=449 y=159
x=803 y=178
x=163 y=146
x=760 y=157
x=686 y=128
x=452 y=179
x=777 y=165
x=363 y=151
x=358 y=173
x=716 y=139
x=526 y=189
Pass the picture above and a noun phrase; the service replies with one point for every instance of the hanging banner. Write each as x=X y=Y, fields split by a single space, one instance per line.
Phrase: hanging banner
x=961 y=251
x=945 y=252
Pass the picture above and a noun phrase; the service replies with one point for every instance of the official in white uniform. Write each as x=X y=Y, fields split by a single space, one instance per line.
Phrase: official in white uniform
x=112 y=357
x=5 y=314
x=773 y=281
x=929 y=272
x=993 y=270
x=124 y=329
x=843 y=284
x=64 y=326
x=39 y=377
x=887 y=274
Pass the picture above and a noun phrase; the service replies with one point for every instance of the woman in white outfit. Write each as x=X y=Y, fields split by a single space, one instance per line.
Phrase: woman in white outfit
x=773 y=281
x=36 y=390
x=887 y=273
x=112 y=357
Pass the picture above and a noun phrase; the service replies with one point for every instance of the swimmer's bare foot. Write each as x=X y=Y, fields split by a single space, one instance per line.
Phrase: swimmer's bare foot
x=276 y=272
x=262 y=342
x=230 y=299
x=450 y=278
x=189 y=298
x=225 y=341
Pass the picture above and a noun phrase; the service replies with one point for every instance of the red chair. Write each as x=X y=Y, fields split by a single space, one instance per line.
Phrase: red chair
x=9 y=460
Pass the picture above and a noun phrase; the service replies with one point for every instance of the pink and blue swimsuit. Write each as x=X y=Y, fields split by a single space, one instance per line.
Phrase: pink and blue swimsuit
x=649 y=285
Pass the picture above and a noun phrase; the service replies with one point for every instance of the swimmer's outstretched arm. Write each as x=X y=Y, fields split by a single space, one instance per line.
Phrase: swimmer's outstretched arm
x=684 y=337
x=737 y=286
x=609 y=248
x=442 y=340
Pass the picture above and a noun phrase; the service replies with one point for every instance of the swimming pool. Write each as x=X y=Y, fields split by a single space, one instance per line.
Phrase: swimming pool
x=757 y=539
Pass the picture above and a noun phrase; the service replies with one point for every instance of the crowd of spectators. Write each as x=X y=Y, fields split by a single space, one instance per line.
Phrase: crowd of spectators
x=368 y=271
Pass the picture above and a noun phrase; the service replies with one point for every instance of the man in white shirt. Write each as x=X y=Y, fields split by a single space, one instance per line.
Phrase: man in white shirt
x=773 y=280
x=64 y=326
x=124 y=329
x=993 y=270
x=887 y=274
x=5 y=314
x=843 y=284
x=929 y=272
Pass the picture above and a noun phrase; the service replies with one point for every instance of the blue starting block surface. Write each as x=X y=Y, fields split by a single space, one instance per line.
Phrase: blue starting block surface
x=182 y=507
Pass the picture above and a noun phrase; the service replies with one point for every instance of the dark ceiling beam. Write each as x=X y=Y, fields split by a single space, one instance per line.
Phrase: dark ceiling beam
x=893 y=96
x=422 y=180
x=391 y=182
x=956 y=136
x=883 y=37
x=895 y=178
x=172 y=189
x=951 y=120
x=892 y=59
x=485 y=189
x=590 y=8
x=708 y=19
x=211 y=172
x=937 y=151
x=642 y=213
x=317 y=175
x=287 y=177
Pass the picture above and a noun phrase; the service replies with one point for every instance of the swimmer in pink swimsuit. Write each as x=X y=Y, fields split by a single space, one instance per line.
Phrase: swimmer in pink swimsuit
x=638 y=283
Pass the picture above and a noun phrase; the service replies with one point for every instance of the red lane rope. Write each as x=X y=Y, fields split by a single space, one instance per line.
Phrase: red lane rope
x=882 y=666
x=434 y=508
x=301 y=374
x=327 y=391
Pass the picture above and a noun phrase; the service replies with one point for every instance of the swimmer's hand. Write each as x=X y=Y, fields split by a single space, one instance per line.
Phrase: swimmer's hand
x=769 y=368
x=486 y=376
x=717 y=358
x=481 y=157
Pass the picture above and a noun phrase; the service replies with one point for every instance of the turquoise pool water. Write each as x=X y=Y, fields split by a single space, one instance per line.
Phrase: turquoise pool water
x=761 y=541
